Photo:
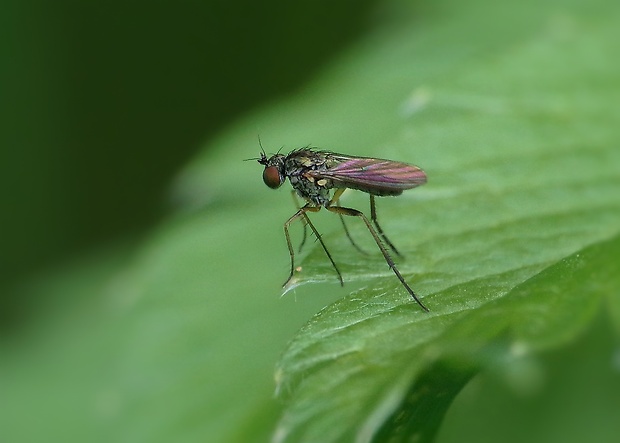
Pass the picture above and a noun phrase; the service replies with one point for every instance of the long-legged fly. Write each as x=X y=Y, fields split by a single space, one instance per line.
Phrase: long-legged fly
x=314 y=174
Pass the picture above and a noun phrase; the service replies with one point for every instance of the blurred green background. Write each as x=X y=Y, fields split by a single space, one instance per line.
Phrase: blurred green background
x=142 y=258
x=104 y=101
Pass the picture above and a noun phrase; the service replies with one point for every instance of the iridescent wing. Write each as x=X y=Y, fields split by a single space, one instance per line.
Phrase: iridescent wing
x=373 y=175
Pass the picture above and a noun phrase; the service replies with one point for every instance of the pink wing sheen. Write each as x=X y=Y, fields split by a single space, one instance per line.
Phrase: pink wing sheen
x=374 y=174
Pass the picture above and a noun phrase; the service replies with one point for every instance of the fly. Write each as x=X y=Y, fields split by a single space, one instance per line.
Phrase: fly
x=320 y=178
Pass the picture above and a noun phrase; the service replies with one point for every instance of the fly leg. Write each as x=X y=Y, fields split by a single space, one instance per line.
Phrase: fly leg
x=302 y=213
x=373 y=217
x=335 y=201
x=306 y=220
x=355 y=213
x=346 y=230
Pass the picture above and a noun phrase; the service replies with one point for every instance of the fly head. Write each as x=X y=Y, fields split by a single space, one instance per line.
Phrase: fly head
x=274 y=173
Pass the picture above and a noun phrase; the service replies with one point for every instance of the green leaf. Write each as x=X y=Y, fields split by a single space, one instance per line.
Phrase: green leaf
x=524 y=176
x=513 y=245
x=401 y=370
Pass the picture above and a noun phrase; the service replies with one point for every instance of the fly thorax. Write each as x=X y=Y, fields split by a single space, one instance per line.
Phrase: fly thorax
x=308 y=188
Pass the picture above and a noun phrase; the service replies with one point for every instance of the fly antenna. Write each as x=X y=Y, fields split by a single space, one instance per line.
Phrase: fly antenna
x=261 y=145
x=263 y=154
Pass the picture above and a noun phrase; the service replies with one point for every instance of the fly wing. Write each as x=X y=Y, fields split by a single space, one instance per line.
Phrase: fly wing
x=373 y=175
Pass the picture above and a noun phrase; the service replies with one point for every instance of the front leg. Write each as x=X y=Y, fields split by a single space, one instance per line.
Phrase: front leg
x=303 y=239
x=302 y=213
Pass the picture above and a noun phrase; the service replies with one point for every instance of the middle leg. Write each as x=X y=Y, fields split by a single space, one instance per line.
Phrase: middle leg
x=355 y=213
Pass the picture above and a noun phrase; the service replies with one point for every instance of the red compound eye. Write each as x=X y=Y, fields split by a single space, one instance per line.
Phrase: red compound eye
x=272 y=177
